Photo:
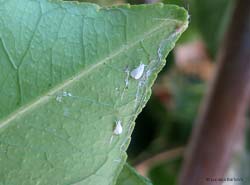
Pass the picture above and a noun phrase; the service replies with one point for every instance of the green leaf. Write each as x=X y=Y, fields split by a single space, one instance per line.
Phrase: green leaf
x=102 y=2
x=166 y=172
x=129 y=176
x=216 y=15
x=62 y=75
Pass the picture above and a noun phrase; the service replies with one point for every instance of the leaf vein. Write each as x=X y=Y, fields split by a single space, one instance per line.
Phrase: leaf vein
x=44 y=98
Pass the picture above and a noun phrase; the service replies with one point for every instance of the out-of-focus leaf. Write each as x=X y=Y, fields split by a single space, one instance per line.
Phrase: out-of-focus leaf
x=187 y=93
x=166 y=173
x=211 y=18
x=208 y=19
x=182 y=3
x=129 y=176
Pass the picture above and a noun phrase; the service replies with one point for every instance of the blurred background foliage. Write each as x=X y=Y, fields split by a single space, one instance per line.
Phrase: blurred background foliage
x=165 y=124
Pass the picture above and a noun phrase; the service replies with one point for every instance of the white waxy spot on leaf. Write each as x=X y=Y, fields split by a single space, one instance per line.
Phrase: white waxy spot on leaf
x=59 y=98
x=66 y=94
x=137 y=72
x=118 y=128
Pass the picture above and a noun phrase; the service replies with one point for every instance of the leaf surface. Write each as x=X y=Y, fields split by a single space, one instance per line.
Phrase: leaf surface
x=103 y=2
x=129 y=176
x=65 y=82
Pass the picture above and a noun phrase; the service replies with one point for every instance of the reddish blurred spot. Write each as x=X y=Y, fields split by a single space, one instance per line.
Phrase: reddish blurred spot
x=192 y=58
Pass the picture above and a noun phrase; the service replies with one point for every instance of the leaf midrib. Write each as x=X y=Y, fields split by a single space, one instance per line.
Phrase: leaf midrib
x=48 y=95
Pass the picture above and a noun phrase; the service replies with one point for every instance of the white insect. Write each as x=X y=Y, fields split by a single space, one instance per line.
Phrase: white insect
x=137 y=72
x=59 y=98
x=118 y=128
x=67 y=94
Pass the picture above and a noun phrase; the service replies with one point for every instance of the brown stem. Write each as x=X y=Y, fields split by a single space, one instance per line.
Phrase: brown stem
x=147 y=164
x=210 y=148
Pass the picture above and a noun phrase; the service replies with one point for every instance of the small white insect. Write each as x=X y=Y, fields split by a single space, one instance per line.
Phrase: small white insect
x=65 y=93
x=59 y=98
x=137 y=72
x=118 y=128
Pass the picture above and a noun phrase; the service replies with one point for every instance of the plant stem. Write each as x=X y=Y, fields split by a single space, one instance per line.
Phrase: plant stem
x=222 y=116
x=147 y=164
